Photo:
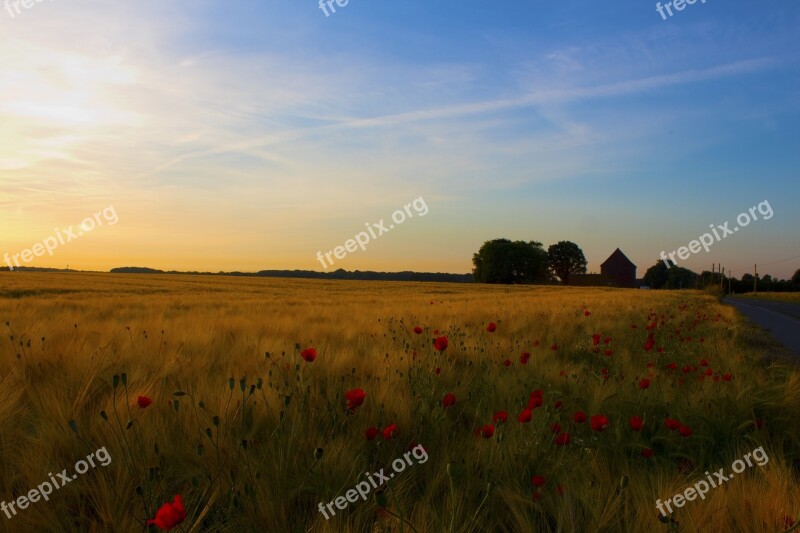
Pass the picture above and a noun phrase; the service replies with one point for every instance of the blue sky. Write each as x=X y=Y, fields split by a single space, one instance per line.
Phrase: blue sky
x=250 y=135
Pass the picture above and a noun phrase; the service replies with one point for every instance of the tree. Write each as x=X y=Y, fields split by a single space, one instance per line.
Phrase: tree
x=566 y=258
x=504 y=261
x=796 y=278
x=656 y=275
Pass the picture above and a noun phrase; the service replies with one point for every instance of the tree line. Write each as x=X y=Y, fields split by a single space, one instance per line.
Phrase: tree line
x=506 y=261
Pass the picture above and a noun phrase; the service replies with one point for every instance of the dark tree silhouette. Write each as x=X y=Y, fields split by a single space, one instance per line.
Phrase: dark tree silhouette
x=566 y=258
x=504 y=261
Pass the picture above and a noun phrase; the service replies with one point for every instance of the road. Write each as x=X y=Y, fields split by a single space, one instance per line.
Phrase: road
x=780 y=319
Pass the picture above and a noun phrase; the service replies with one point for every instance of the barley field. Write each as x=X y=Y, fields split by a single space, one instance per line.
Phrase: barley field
x=259 y=402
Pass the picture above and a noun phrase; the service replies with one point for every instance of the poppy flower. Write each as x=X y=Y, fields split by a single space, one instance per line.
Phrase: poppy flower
x=558 y=404
x=608 y=353
x=354 y=398
x=507 y=362
x=418 y=330
x=554 y=347
x=579 y=417
x=537 y=480
x=389 y=432
x=647 y=453
x=523 y=359
x=644 y=383
x=726 y=377
x=535 y=401
x=440 y=343
x=525 y=415
x=685 y=431
x=636 y=423
x=648 y=345
x=556 y=427
x=599 y=422
x=169 y=515
x=309 y=354
x=487 y=431
x=491 y=327
x=371 y=433
x=449 y=399
x=703 y=362
x=500 y=417
x=438 y=370
x=143 y=401
x=671 y=366
x=672 y=424
x=536 y=343
x=562 y=439
x=759 y=422
x=596 y=339
x=587 y=313
x=537 y=393
x=607 y=340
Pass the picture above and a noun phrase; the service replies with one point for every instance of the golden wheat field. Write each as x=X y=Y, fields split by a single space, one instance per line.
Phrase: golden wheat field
x=261 y=403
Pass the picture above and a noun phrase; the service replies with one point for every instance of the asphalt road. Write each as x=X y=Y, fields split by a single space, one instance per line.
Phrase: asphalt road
x=780 y=319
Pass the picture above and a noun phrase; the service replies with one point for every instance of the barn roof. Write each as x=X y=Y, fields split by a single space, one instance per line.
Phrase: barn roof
x=618 y=258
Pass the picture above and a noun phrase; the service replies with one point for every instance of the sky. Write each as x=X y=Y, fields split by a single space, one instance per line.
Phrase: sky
x=251 y=135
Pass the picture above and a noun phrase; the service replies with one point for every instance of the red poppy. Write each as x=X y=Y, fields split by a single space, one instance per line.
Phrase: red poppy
x=587 y=313
x=608 y=353
x=727 y=377
x=371 y=433
x=523 y=359
x=390 y=431
x=525 y=415
x=143 y=401
x=438 y=370
x=648 y=345
x=535 y=401
x=554 y=347
x=672 y=366
x=644 y=383
x=607 y=340
x=309 y=354
x=685 y=431
x=703 y=362
x=579 y=417
x=537 y=393
x=599 y=422
x=556 y=427
x=354 y=398
x=759 y=422
x=596 y=339
x=672 y=424
x=487 y=431
x=558 y=404
x=449 y=399
x=507 y=362
x=169 y=515
x=418 y=330
x=537 y=480
x=562 y=439
x=491 y=327
x=500 y=417
x=647 y=453
x=636 y=423
x=709 y=371
x=440 y=343
x=536 y=343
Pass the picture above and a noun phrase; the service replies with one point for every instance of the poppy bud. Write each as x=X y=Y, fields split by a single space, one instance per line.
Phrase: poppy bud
x=318 y=453
x=380 y=499
x=215 y=420
x=139 y=490
x=129 y=424
x=201 y=404
x=231 y=383
x=200 y=449
x=244 y=443
x=208 y=432
x=115 y=381
x=179 y=393
x=287 y=400
x=175 y=405
x=259 y=383
x=103 y=415
x=73 y=426
x=243 y=384
x=124 y=378
x=195 y=481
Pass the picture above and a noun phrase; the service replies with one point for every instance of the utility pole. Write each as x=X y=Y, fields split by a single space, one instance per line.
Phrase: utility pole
x=722 y=279
x=730 y=275
x=755 y=278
